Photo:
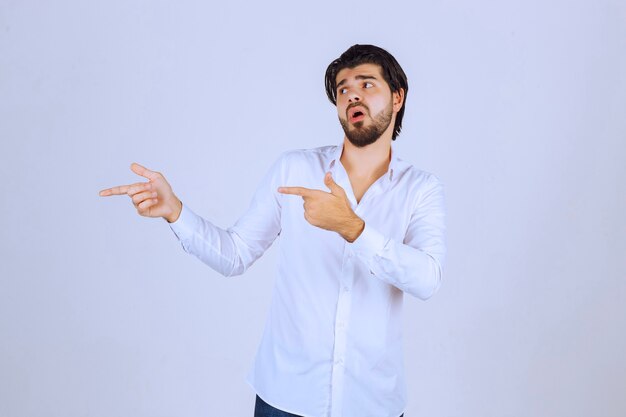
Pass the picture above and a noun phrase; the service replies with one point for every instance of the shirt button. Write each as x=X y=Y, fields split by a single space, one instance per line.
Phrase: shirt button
x=341 y=325
x=339 y=361
x=346 y=289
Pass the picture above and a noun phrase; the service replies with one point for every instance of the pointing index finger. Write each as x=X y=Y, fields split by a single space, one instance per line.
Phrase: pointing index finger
x=119 y=190
x=301 y=191
x=125 y=189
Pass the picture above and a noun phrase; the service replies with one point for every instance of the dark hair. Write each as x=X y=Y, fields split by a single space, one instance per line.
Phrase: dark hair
x=369 y=54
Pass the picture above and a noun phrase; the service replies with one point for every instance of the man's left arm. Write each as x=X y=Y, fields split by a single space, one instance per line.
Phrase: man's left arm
x=414 y=265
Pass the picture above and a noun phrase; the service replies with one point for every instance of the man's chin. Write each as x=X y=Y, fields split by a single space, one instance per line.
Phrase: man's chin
x=359 y=133
x=361 y=141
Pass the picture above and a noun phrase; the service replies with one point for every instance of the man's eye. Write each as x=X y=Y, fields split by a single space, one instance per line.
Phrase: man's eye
x=343 y=90
x=368 y=85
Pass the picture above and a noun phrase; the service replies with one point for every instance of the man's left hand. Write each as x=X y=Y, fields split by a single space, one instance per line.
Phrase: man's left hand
x=330 y=211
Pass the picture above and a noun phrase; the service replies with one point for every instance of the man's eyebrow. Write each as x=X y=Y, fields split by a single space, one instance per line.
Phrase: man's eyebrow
x=358 y=77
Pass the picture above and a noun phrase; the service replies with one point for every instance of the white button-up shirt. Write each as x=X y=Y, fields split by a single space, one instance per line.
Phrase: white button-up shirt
x=332 y=345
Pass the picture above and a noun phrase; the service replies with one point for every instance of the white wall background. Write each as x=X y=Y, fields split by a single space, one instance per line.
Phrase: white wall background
x=518 y=106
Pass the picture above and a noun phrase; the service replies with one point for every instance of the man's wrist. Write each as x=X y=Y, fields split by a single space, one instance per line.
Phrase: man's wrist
x=354 y=230
x=176 y=213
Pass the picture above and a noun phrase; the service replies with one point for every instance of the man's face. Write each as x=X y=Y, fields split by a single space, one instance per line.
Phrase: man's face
x=365 y=104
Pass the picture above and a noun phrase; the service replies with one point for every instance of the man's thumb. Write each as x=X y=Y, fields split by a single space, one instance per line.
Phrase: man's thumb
x=332 y=185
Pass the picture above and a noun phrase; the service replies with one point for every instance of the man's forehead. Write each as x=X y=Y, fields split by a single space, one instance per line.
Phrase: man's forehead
x=360 y=70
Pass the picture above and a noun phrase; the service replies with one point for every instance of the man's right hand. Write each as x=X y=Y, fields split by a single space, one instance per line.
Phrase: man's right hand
x=154 y=198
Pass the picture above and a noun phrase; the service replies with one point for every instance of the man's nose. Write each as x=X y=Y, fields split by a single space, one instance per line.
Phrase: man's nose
x=353 y=96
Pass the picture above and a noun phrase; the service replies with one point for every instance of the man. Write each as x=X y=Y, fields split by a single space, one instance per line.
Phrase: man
x=371 y=228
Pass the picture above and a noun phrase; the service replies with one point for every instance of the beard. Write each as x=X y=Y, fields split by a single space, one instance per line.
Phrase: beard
x=361 y=136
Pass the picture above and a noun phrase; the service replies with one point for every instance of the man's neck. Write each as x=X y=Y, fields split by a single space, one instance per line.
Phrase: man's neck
x=369 y=162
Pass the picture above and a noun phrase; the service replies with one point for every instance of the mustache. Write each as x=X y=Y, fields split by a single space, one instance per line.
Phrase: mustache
x=351 y=105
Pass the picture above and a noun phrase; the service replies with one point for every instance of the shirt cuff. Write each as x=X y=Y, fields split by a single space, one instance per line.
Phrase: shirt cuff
x=369 y=243
x=186 y=224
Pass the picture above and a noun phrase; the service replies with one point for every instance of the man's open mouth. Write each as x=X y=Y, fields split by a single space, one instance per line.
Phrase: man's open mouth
x=356 y=114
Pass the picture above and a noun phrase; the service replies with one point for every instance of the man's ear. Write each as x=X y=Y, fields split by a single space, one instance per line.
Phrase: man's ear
x=398 y=99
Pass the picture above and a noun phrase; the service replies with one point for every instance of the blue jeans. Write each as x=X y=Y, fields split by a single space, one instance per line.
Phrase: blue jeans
x=263 y=409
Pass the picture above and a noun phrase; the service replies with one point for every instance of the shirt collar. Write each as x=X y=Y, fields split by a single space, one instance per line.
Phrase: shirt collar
x=335 y=157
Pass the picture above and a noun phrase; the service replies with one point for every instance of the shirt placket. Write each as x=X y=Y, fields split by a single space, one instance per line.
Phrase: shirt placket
x=342 y=317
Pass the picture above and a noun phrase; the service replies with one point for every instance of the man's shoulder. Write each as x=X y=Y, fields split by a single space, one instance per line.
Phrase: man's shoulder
x=307 y=157
x=415 y=175
x=321 y=151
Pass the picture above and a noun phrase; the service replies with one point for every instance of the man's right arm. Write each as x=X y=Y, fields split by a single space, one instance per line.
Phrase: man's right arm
x=231 y=251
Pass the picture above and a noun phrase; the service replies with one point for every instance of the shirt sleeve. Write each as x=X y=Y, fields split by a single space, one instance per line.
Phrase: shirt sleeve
x=231 y=251
x=414 y=265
